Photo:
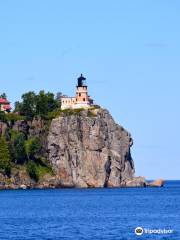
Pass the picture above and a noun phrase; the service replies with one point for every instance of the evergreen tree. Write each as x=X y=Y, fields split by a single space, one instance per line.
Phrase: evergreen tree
x=17 y=148
x=58 y=98
x=4 y=157
x=28 y=106
x=17 y=106
x=3 y=95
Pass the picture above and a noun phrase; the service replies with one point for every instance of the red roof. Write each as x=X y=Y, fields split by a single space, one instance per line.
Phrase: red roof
x=7 y=107
x=3 y=100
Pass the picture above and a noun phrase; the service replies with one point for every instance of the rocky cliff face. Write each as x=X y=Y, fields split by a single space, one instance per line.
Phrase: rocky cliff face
x=85 y=148
x=90 y=150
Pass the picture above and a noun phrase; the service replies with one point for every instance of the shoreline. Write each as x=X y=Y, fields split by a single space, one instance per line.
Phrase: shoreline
x=152 y=184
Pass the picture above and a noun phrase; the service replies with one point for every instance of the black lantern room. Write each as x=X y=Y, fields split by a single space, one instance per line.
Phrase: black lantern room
x=82 y=81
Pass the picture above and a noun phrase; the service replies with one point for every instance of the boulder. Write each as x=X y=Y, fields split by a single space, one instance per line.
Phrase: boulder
x=157 y=183
x=136 y=182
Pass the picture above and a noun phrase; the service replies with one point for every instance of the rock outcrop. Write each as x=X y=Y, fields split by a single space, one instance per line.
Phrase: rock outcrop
x=156 y=183
x=89 y=149
x=3 y=127
x=136 y=182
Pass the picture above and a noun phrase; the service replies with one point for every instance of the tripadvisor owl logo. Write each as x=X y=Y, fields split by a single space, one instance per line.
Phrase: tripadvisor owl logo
x=139 y=231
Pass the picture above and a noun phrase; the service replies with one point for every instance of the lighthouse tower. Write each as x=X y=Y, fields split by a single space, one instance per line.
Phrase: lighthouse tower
x=82 y=98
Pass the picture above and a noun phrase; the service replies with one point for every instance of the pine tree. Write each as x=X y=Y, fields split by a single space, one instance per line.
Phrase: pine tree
x=4 y=157
x=3 y=96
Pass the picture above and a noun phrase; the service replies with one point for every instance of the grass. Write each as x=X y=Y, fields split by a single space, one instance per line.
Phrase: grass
x=91 y=114
x=54 y=114
x=69 y=112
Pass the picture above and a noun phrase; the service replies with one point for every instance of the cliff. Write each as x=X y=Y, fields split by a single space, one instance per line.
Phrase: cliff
x=85 y=148
x=90 y=150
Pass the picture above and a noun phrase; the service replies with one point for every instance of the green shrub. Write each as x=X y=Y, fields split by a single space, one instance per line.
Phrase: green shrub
x=91 y=114
x=32 y=170
x=54 y=114
x=13 y=117
x=69 y=112
x=5 y=117
x=96 y=107
x=17 y=147
x=33 y=147
x=37 y=169
x=13 y=133
x=42 y=170
x=2 y=116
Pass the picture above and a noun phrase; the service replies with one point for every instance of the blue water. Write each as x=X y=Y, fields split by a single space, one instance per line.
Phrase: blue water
x=90 y=213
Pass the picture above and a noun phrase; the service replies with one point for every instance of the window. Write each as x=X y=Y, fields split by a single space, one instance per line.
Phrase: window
x=79 y=94
x=84 y=99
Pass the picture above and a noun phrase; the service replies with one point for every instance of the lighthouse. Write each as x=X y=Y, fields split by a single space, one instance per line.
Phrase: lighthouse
x=81 y=100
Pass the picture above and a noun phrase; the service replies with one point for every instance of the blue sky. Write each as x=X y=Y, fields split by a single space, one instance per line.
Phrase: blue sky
x=128 y=50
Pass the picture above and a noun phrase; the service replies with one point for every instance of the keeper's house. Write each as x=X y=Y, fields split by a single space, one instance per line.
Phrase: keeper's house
x=4 y=105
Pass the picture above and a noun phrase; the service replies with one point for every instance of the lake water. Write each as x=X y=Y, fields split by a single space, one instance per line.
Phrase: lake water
x=90 y=213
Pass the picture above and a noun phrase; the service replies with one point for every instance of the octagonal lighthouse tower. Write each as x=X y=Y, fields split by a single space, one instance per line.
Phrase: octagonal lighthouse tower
x=81 y=100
